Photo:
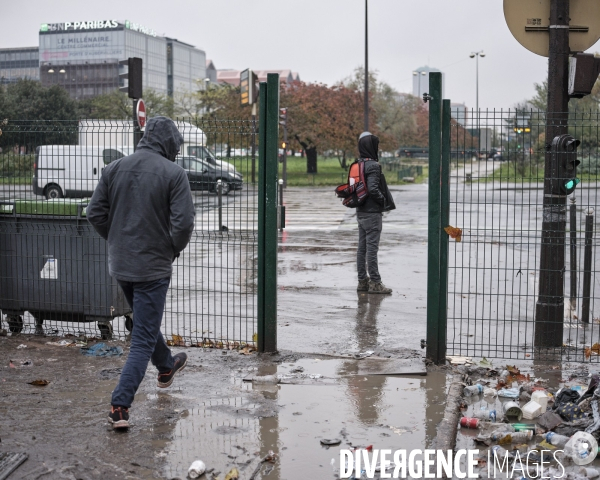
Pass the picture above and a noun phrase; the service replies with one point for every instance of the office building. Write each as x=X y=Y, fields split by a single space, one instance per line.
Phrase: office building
x=83 y=57
x=16 y=63
x=421 y=81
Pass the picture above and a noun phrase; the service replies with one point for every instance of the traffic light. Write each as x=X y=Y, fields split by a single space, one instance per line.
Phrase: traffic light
x=283 y=145
x=564 y=152
x=283 y=117
x=133 y=77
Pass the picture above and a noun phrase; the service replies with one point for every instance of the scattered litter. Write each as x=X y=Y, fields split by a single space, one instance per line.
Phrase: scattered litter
x=11 y=364
x=486 y=415
x=540 y=397
x=102 y=350
x=531 y=410
x=297 y=369
x=490 y=392
x=196 y=469
x=330 y=441
x=176 y=341
x=467 y=422
x=472 y=390
x=589 y=472
x=265 y=379
x=21 y=346
x=39 y=383
x=458 y=360
x=485 y=363
x=549 y=421
x=67 y=343
x=10 y=461
x=556 y=439
x=512 y=411
x=270 y=457
x=27 y=363
x=233 y=474
x=509 y=393
x=366 y=354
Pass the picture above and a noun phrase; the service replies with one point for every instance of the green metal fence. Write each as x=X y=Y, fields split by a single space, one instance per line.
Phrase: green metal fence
x=53 y=272
x=487 y=183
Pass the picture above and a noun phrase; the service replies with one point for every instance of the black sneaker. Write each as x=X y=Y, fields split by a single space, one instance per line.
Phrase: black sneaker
x=119 y=417
x=166 y=379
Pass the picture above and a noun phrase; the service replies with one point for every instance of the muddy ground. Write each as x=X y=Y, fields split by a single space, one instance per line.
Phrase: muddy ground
x=209 y=413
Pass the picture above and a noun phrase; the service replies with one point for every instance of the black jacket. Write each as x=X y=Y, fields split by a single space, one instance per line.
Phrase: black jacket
x=143 y=207
x=380 y=198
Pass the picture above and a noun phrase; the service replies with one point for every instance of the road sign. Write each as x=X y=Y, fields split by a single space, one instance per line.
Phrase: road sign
x=529 y=21
x=248 y=87
x=140 y=113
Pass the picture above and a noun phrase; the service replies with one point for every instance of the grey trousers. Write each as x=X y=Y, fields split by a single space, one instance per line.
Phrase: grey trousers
x=369 y=233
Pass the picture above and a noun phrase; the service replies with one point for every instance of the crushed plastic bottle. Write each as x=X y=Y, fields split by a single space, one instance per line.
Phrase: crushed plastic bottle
x=556 y=439
x=487 y=415
x=196 y=469
x=473 y=390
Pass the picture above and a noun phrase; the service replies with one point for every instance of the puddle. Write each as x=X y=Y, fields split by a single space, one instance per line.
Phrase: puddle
x=383 y=411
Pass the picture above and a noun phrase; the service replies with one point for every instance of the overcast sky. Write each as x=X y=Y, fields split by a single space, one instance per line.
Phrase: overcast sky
x=323 y=40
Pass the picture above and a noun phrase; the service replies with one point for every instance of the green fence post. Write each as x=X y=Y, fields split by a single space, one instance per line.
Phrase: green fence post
x=260 y=282
x=270 y=228
x=444 y=222
x=434 y=210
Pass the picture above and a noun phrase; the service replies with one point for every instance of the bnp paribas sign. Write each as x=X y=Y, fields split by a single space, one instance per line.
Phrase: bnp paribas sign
x=90 y=25
x=94 y=25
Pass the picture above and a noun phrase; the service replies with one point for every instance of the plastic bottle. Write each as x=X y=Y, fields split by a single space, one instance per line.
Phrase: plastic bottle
x=556 y=439
x=472 y=390
x=196 y=469
x=516 y=437
x=490 y=392
x=487 y=415
x=500 y=453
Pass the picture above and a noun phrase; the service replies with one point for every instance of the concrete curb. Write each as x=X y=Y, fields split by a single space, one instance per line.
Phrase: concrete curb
x=445 y=438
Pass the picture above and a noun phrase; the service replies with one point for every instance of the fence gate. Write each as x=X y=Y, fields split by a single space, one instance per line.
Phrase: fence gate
x=495 y=196
x=53 y=266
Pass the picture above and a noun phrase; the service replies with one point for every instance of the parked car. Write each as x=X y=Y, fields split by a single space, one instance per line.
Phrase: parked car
x=204 y=154
x=203 y=176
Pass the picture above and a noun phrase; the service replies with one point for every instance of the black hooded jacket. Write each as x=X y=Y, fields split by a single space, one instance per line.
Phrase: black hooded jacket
x=380 y=198
x=143 y=206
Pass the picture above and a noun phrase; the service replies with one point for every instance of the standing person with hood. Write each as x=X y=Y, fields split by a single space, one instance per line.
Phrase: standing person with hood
x=143 y=207
x=370 y=216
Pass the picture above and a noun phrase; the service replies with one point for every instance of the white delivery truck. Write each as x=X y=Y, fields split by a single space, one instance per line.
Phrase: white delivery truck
x=72 y=170
x=120 y=132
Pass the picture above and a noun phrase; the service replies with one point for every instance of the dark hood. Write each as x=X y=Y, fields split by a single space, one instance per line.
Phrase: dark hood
x=161 y=136
x=368 y=147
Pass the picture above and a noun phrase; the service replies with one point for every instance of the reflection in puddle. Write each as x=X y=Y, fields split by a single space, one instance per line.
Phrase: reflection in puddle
x=383 y=411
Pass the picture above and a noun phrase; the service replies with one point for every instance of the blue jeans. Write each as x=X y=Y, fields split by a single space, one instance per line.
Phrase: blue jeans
x=369 y=232
x=147 y=300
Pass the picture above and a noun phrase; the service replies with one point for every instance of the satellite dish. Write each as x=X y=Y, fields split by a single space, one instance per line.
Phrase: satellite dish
x=528 y=21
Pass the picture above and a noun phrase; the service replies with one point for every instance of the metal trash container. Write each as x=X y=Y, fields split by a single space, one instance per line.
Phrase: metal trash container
x=54 y=265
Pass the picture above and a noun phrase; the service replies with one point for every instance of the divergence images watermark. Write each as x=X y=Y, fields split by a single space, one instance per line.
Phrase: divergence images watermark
x=362 y=463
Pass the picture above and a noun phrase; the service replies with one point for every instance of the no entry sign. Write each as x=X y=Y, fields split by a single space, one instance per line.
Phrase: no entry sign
x=140 y=113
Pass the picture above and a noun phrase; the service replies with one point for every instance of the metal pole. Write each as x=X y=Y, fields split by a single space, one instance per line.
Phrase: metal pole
x=434 y=226
x=587 y=266
x=253 y=167
x=366 y=66
x=136 y=127
x=573 y=259
x=285 y=141
x=477 y=90
x=549 y=312
x=220 y=197
x=444 y=222
x=281 y=207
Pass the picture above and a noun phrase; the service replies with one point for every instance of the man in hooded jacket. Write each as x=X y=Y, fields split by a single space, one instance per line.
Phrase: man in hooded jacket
x=143 y=207
x=370 y=217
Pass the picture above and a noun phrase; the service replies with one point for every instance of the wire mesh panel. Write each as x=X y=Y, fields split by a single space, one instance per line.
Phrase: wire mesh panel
x=54 y=275
x=498 y=163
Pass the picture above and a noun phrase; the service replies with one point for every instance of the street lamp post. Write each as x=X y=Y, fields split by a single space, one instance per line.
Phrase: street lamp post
x=366 y=123
x=476 y=55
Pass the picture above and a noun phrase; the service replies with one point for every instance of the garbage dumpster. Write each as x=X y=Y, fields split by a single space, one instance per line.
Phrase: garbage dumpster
x=54 y=265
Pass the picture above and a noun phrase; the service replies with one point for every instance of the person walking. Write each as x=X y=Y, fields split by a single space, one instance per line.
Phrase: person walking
x=143 y=207
x=370 y=216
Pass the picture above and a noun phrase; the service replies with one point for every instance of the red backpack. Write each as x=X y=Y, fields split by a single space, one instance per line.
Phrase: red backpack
x=355 y=192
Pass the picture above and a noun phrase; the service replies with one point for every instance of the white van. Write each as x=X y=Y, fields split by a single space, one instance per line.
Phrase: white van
x=120 y=132
x=72 y=170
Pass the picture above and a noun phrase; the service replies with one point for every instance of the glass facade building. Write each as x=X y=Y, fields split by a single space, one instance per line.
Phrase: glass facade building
x=18 y=63
x=83 y=57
